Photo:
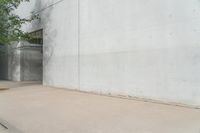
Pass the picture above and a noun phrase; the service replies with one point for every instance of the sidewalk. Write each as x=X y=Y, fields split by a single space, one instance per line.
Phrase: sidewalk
x=33 y=108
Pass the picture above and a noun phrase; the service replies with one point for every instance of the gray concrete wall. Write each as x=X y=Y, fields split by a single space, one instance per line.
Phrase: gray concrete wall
x=22 y=62
x=148 y=49
x=139 y=48
x=14 y=67
x=3 y=62
x=31 y=63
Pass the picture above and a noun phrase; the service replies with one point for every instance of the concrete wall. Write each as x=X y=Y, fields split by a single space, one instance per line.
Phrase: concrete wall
x=139 y=48
x=60 y=26
x=3 y=62
x=31 y=63
x=22 y=62
x=14 y=67
x=142 y=48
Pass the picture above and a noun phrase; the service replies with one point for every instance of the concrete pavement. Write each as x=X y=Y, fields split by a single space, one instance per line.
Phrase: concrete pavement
x=33 y=108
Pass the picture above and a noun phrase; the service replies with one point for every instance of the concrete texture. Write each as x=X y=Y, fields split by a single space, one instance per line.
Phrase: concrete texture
x=39 y=109
x=22 y=62
x=138 y=48
x=14 y=61
x=31 y=62
x=142 y=48
x=61 y=45
x=3 y=62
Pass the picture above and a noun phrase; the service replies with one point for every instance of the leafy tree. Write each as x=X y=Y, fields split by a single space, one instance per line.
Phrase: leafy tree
x=10 y=23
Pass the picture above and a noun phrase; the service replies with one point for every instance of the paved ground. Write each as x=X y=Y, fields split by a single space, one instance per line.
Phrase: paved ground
x=33 y=108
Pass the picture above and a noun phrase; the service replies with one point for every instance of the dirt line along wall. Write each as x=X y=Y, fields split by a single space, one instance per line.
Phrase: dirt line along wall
x=139 y=48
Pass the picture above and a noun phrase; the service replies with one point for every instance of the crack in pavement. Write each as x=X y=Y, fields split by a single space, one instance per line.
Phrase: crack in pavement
x=5 y=127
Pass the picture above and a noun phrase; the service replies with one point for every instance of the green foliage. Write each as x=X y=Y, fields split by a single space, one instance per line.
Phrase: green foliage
x=10 y=23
